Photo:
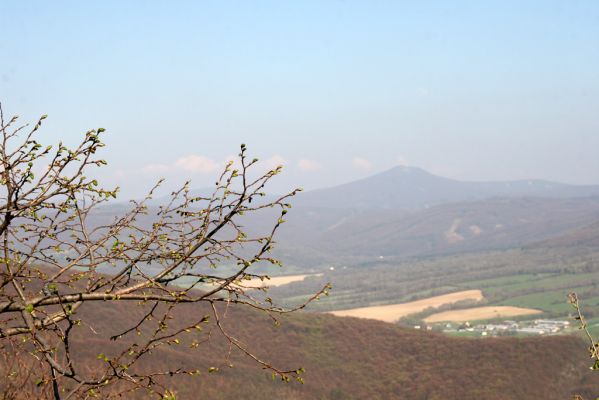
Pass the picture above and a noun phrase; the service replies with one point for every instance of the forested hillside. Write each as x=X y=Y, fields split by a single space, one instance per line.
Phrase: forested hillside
x=347 y=358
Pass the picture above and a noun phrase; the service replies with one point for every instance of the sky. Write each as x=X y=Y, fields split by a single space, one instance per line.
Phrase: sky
x=333 y=90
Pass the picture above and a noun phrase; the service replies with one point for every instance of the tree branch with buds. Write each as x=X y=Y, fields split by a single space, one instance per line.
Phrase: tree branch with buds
x=58 y=255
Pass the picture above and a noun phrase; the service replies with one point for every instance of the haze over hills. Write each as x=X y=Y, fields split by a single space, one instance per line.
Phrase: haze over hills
x=407 y=212
x=444 y=229
x=585 y=236
x=414 y=188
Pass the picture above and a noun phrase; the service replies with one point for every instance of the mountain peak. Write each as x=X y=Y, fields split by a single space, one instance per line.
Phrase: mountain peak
x=407 y=187
x=406 y=169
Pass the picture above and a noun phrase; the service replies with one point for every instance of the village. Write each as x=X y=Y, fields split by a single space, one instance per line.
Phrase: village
x=509 y=327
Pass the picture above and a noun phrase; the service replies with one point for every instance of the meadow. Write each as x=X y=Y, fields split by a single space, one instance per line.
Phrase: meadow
x=537 y=278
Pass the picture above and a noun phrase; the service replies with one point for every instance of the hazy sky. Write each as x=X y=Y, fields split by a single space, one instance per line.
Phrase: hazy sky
x=335 y=90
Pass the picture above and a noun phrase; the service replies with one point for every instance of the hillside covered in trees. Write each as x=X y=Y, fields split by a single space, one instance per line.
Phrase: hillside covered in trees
x=344 y=358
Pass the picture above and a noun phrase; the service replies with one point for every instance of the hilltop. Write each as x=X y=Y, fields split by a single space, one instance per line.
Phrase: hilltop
x=411 y=188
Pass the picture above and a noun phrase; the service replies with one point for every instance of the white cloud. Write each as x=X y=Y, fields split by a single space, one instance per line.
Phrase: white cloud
x=203 y=165
x=308 y=165
x=195 y=163
x=191 y=163
x=402 y=161
x=273 y=162
x=361 y=163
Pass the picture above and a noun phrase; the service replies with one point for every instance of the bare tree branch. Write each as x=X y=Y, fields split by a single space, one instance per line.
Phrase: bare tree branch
x=58 y=255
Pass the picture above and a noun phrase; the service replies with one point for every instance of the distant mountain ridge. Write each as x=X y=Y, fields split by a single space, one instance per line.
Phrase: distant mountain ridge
x=497 y=223
x=406 y=212
x=414 y=188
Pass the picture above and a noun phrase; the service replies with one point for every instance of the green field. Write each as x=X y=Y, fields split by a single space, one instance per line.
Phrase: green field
x=529 y=278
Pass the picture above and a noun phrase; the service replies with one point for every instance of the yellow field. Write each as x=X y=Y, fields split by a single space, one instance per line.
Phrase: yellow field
x=393 y=312
x=277 y=280
x=478 y=313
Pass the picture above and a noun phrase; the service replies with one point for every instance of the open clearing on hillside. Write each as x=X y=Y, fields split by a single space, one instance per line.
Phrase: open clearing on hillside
x=480 y=313
x=276 y=280
x=393 y=312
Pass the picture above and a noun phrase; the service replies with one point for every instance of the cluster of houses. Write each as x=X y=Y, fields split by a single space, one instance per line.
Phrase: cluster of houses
x=534 y=327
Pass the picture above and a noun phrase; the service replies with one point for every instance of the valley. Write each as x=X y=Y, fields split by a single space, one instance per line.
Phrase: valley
x=418 y=261
x=522 y=254
x=299 y=200
x=408 y=285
